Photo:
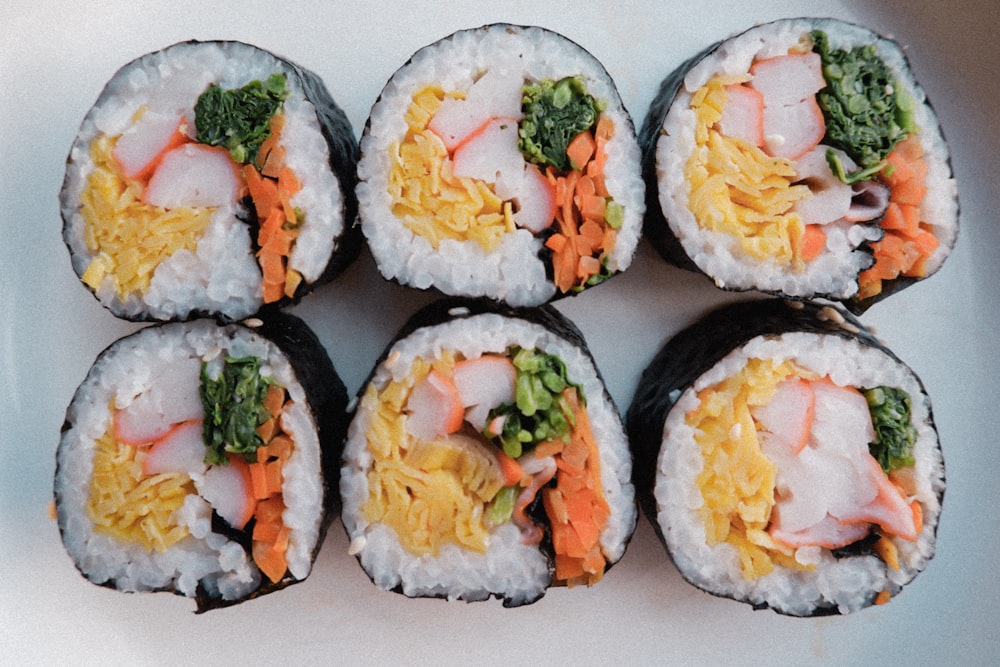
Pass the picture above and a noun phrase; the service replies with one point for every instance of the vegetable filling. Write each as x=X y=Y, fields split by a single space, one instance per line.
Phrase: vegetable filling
x=807 y=142
x=793 y=462
x=155 y=187
x=461 y=446
x=479 y=164
x=216 y=441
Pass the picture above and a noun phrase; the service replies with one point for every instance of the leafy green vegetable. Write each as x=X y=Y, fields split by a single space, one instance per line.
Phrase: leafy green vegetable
x=239 y=119
x=866 y=112
x=539 y=411
x=234 y=408
x=894 y=431
x=554 y=113
x=501 y=507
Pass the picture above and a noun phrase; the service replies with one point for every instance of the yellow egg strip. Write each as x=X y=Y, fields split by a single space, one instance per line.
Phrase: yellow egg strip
x=428 y=198
x=737 y=481
x=130 y=506
x=129 y=238
x=431 y=493
x=738 y=189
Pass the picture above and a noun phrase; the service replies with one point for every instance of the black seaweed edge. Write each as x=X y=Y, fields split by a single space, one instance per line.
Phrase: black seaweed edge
x=326 y=397
x=657 y=228
x=449 y=309
x=631 y=126
x=696 y=349
x=344 y=152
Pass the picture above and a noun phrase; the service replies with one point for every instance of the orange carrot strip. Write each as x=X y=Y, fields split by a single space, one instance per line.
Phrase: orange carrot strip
x=258 y=478
x=910 y=192
x=263 y=191
x=510 y=468
x=812 y=243
x=271 y=155
x=264 y=531
x=556 y=242
x=594 y=233
x=266 y=432
x=549 y=448
x=273 y=477
x=270 y=560
x=580 y=150
x=274 y=399
x=569 y=215
x=592 y=207
x=281 y=447
x=270 y=226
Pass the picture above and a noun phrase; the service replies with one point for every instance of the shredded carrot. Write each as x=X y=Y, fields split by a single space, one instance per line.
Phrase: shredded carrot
x=580 y=150
x=576 y=506
x=258 y=479
x=271 y=190
x=271 y=151
x=581 y=197
x=270 y=535
x=511 y=469
x=812 y=242
x=270 y=559
x=883 y=597
x=274 y=399
x=263 y=191
x=908 y=241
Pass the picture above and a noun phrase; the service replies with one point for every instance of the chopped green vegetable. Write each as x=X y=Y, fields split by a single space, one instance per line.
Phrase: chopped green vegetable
x=239 y=119
x=614 y=213
x=539 y=411
x=866 y=112
x=554 y=113
x=234 y=408
x=501 y=507
x=894 y=431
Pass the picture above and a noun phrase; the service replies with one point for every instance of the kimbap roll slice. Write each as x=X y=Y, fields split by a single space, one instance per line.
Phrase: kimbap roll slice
x=788 y=459
x=500 y=162
x=800 y=158
x=485 y=458
x=210 y=179
x=198 y=458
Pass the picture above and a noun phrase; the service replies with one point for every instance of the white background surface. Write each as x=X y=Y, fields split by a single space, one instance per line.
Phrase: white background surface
x=54 y=59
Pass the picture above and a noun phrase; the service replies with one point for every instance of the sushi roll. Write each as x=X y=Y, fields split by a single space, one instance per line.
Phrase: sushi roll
x=485 y=458
x=788 y=459
x=800 y=158
x=201 y=459
x=210 y=179
x=500 y=162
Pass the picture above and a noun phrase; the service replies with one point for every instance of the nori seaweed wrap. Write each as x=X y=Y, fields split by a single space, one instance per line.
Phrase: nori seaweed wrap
x=788 y=459
x=486 y=458
x=202 y=459
x=500 y=162
x=210 y=179
x=799 y=158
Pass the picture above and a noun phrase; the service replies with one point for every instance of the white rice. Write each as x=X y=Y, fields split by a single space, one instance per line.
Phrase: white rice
x=222 y=276
x=513 y=273
x=846 y=584
x=834 y=274
x=518 y=572
x=204 y=558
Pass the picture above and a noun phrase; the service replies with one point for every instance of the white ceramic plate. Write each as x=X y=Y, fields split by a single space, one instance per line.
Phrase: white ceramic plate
x=54 y=59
